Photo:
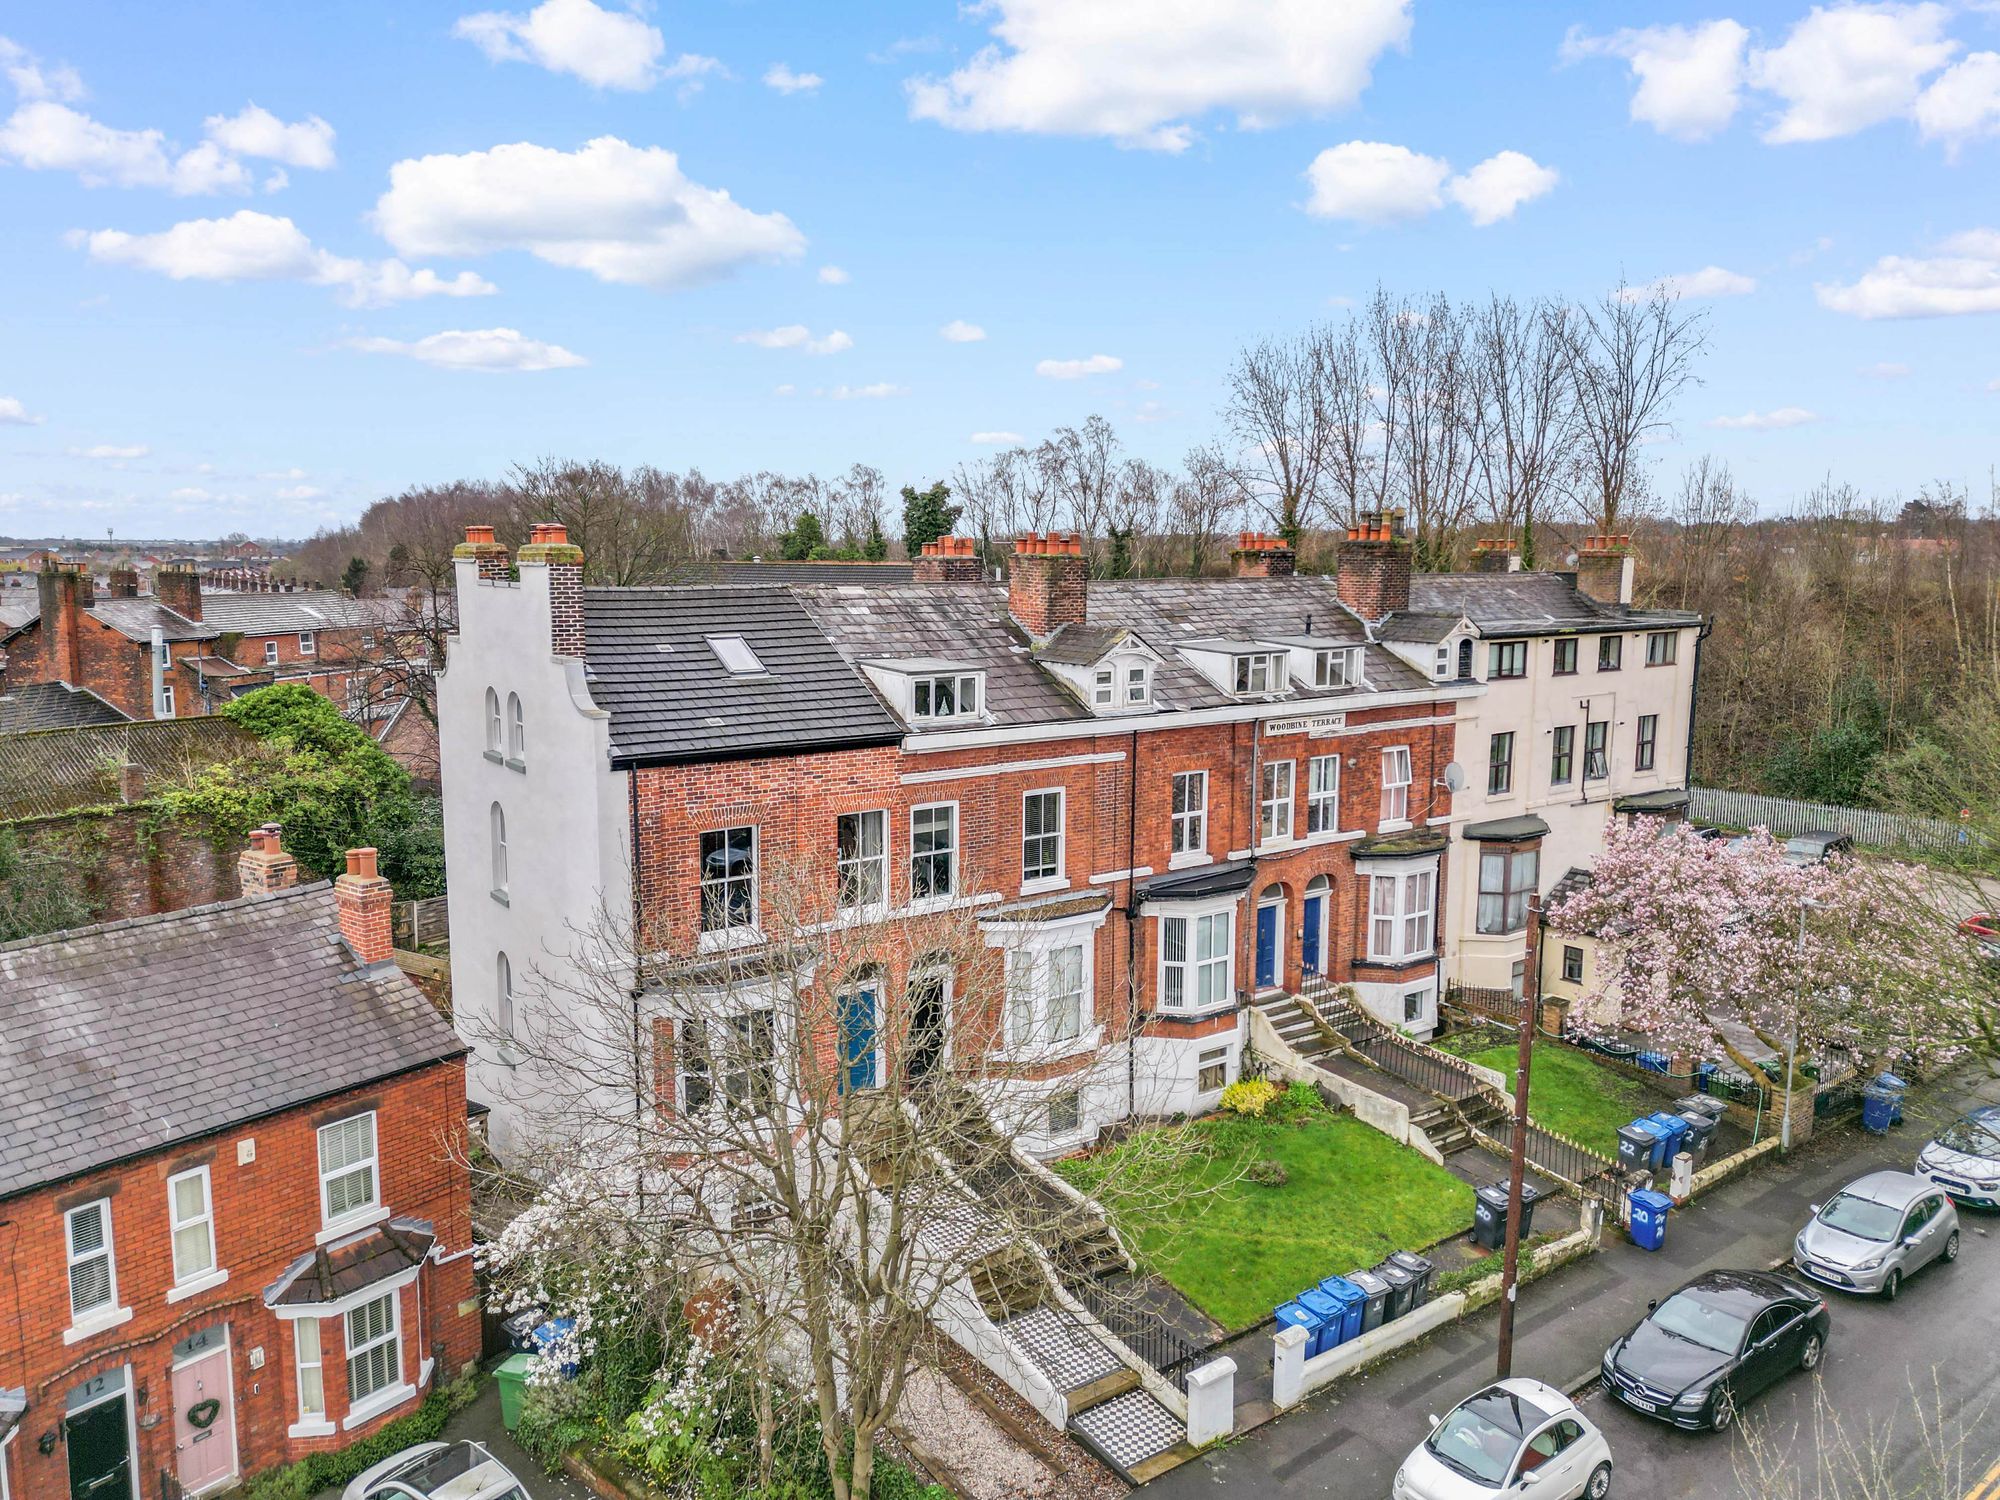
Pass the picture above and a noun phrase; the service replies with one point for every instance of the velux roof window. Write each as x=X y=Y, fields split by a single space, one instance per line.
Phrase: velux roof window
x=737 y=659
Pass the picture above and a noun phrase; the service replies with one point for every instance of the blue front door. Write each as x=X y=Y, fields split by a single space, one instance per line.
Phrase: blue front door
x=857 y=1039
x=1267 y=947
x=1309 y=943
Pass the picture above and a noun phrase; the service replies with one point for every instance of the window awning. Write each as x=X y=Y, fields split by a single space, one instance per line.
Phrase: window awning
x=329 y=1273
x=1410 y=845
x=1192 y=885
x=1507 y=830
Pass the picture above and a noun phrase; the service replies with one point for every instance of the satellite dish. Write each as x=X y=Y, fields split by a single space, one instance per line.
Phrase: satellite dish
x=1454 y=777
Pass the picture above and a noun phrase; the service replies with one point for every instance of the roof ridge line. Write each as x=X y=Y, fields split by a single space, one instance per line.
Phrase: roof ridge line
x=123 y=924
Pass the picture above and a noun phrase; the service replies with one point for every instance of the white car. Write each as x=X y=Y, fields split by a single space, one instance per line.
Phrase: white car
x=1516 y=1437
x=437 y=1471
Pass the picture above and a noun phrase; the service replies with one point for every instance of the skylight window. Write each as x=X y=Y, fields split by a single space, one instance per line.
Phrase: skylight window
x=736 y=656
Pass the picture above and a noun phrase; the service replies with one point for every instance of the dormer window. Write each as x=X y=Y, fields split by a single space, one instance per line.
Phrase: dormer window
x=1138 y=685
x=1258 y=673
x=1104 y=690
x=1337 y=669
x=945 y=697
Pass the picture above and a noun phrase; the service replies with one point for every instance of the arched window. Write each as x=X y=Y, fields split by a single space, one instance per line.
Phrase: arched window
x=1465 y=657
x=497 y=821
x=517 y=729
x=503 y=997
x=492 y=722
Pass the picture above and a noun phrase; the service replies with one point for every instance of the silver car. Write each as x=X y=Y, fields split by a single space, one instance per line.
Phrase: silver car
x=1964 y=1159
x=437 y=1471
x=1875 y=1232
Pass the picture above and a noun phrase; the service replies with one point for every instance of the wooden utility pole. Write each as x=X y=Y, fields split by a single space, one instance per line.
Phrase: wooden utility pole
x=1517 y=1160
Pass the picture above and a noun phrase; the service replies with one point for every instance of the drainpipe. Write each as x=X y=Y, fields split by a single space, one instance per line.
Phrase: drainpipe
x=1694 y=685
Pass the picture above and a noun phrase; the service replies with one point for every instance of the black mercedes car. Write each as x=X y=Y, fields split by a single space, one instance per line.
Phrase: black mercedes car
x=1699 y=1355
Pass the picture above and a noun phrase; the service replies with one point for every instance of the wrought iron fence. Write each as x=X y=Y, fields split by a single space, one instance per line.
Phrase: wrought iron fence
x=1140 y=1329
x=1499 y=1005
x=1557 y=1155
x=1423 y=1067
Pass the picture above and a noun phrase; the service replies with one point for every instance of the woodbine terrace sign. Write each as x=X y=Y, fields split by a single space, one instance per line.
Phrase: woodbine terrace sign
x=1319 y=726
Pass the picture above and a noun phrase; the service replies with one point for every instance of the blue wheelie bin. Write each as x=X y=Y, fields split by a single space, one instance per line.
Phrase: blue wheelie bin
x=1878 y=1110
x=1332 y=1322
x=1894 y=1087
x=1353 y=1304
x=1649 y=1218
x=1673 y=1129
x=1291 y=1315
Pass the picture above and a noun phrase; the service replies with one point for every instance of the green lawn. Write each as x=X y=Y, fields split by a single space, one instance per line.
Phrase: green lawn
x=1573 y=1096
x=1238 y=1250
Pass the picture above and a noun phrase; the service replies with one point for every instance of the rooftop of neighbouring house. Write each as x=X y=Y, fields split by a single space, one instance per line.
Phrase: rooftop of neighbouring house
x=54 y=705
x=260 y=613
x=134 y=618
x=45 y=772
x=133 y=1037
x=1525 y=603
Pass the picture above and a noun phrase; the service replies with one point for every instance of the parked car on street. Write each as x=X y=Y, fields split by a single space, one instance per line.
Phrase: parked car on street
x=1515 y=1437
x=1697 y=1357
x=1877 y=1231
x=463 y=1470
x=1817 y=848
x=1964 y=1158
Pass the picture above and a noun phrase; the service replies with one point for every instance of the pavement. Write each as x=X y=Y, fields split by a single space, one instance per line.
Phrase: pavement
x=1348 y=1440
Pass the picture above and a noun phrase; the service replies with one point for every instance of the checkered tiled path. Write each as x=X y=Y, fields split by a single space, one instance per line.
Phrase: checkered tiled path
x=1060 y=1349
x=1130 y=1428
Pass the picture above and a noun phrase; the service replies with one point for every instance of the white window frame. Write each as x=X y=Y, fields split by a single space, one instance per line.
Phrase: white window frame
x=1104 y=687
x=308 y=643
x=1214 y=1057
x=1074 y=1100
x=962 y=686
x=1138 y=684
x=493 y=733
x=1187 y=974
x=98 y=1313
x=949 y=849
x=503 y=997
x=879 y=860
x=517 y=732
x=728 y=929
x=1322 y=801
x=496 y=830
x=1397 y=775
x=359 y=1213
x=1049 y=989
x=1347 y=661
x=1402 y=908
x=270 y=653
x=312 y=1413
x=1277 y=787
x=1047 y=878
x=1190 y=824
x=391 y=1337
x=1246 y=669
x=205 y=1221
x=166 y=700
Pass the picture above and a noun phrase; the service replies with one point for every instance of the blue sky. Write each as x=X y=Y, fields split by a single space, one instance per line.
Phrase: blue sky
x=214 y=317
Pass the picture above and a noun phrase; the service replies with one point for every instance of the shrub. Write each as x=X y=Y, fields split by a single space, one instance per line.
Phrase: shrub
x=331 y=1471
x=1267 y=1172
x=1249 y=1096
x=1300 y=1100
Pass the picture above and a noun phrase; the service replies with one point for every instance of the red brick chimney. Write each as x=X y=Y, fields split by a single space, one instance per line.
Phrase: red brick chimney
x=1373 y=573
x=949 y=559
x=180 y=590
x=1496 y=554
x=65 y=594
x=549 y=547
x=1604 y=568
x=364 y=898
x=490 y=554
x=1261 y=555
x=1048 y=583
x=265 y=867
x=124 y=583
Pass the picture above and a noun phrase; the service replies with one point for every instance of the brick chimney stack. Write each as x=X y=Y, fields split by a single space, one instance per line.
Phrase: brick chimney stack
x=1604 y=568
x=124 y=583
x=489 y=553
x=65 y=593
x=265 y=867
x=549 y=547
x=1261 y=555
x=1496 y=554
x=949 y=559
x=1048 y=583
x=1373 y=573
x=364 y=898
x=180 y=590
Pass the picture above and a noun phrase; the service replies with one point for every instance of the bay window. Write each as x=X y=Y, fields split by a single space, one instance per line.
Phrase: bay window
x=1400 y=916
x=374 y=1352
x=1196 y=957
x=1046 y=997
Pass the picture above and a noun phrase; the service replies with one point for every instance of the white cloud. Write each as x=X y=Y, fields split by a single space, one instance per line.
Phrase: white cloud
x=608 y=49
x=1374 y=182
x=255 y=131
x=1766 y=421
x=1993 y=385
x=784 y=390
x=249 y=246
x=1963 y=103
x=833 y=276
x=958 y=331
x=1496 y=187
x=1886 y=370
x=796 y=336
x=875 y=392
x=276 y=180
x=33 y=80
x=1709 y=281
x=190 y=492
x=1121 y=70
x=623 y=213
x=1689 y=79
x=1076 y=369
x=111 y=450
x=1963 y=278
x=1844 y=68
x=300 y=492
x=483 y=349
x=14 y=414
x=999 y=437
x=45 y=136
x=785 y=81
x=294 y=473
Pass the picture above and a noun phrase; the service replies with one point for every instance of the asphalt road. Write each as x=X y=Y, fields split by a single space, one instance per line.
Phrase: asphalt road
x=1889 y=1368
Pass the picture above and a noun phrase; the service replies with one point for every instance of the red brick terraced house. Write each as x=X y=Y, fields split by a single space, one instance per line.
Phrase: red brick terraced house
x=234 y=1215
x=1161 y=798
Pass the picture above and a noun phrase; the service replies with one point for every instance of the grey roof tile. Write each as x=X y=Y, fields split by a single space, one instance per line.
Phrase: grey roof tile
x=130 y=1037
x=54 y=705
x=135 y=619
x=284 y=614
x=1500 y=603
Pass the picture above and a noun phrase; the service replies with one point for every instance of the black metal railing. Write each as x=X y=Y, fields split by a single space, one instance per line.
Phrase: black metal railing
x=1500 y=1005
x=1421 y=1067
x=1141 y=1329
x=1556 y=1155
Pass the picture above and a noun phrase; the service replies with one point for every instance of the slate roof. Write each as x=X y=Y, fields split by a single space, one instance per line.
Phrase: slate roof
x=283 y=614
x=762 y=574
x=135 y=618
x=48 y=771
x=671 y=699
x=133 y=1037
x=54 y=705
x=329 y=1272
x=1524 y=603
x=1082 y=645
x=1418 y=628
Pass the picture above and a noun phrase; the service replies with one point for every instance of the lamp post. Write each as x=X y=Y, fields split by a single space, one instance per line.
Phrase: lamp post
x=1806 y=903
